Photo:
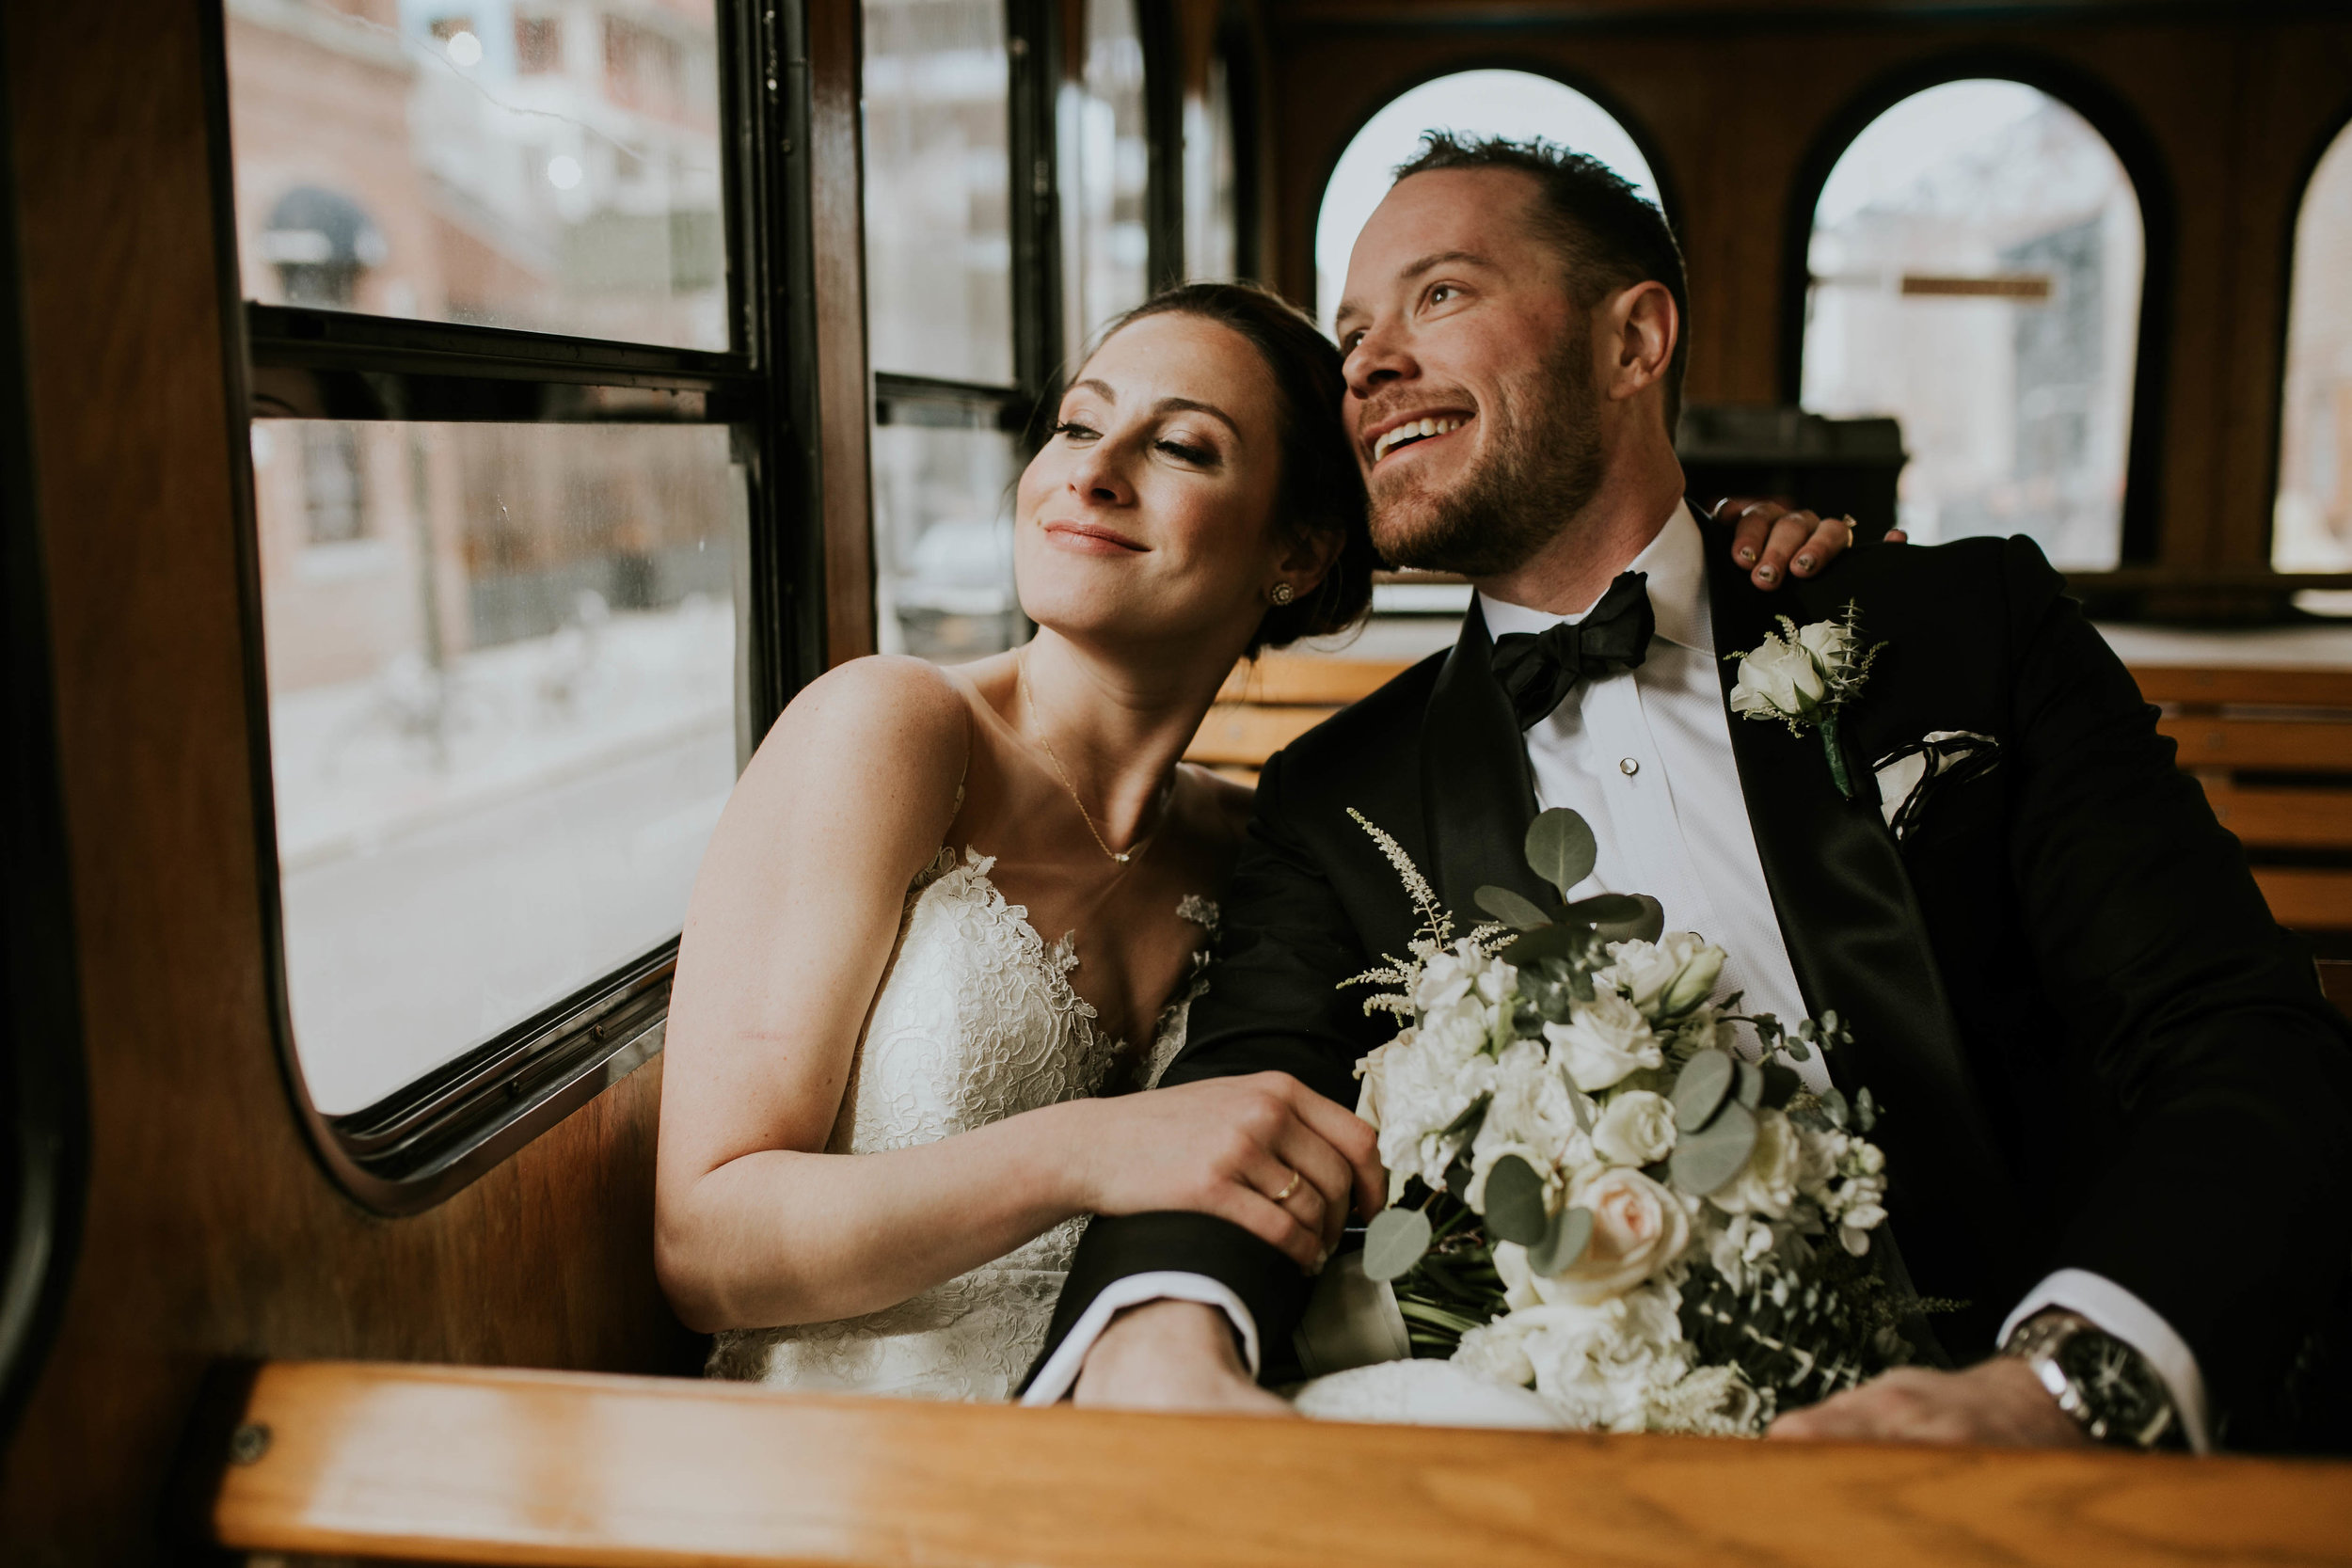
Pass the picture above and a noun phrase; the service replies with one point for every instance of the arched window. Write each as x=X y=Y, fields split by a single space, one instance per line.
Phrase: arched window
x=1975 y=267
x=1514 y=104
x=2312 y=521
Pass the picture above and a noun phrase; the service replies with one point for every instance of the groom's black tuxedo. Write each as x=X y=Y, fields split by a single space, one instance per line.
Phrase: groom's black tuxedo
x=2094 y=1047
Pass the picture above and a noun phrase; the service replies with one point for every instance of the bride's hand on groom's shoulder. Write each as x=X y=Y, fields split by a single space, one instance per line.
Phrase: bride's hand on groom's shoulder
x=1263 y=1151
x=1776 y=542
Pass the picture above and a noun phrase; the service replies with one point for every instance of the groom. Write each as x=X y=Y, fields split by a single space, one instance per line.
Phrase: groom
x=2118 y=1110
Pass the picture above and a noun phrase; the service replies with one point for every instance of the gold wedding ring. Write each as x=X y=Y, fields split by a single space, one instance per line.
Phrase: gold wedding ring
x=1284 y=1196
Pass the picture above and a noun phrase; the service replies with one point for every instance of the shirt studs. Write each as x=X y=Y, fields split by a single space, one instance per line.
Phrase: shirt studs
x=1629 y=766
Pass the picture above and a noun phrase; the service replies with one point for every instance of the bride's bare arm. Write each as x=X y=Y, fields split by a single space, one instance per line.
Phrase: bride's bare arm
x=787 y=936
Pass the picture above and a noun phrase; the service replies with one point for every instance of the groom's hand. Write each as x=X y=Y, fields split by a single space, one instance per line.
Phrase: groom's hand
x=1999 y=1402
x=1171 y=1356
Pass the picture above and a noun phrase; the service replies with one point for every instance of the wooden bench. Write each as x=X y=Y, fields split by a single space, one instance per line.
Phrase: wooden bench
x=489 y=1465
x=2272 y=747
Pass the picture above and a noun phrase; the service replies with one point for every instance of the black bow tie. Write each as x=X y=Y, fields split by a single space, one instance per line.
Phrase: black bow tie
x=1538 y=669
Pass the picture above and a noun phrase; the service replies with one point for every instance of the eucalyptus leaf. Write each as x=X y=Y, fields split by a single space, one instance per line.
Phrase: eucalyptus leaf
x=1560 y=848
x=1833 y=1101
x=1700 y=1088
x=1515 y=1202
x=1457 y=1179
x=1704 y=1159
x=1865 y=1110
x=1565 y=1241
x=1394 y=1242
x=1468 y=1121
x=1750 y=1091
x=1514 y=911
x=1781 y=1084
x=1547 y=942
x=1646 y=926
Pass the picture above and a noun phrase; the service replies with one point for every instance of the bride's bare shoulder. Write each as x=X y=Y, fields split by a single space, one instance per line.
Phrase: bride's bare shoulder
x=885 y=717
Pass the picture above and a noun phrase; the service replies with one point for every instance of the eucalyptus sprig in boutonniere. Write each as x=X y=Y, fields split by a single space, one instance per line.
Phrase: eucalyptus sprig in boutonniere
x=1803 y=675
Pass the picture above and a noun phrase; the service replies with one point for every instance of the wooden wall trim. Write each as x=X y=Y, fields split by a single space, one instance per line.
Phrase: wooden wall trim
x=209 y=1230
x=2231 y=99
x=844 y=398
x=507 y=1468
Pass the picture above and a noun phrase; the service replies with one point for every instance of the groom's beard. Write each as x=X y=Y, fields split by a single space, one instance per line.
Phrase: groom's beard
x=1542 y=465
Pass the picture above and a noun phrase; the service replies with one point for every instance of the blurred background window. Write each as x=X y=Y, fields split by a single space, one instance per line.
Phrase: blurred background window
x=506 y=690
x=1975 y=260
x=938 y=183
x=547 y=166
x=2312 y=522
x=1517 y=104
x=1106 y=169
x=501 y=670
x=1211 y=168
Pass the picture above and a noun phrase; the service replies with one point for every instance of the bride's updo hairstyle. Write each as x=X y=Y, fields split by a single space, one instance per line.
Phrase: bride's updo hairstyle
x=1321 y=490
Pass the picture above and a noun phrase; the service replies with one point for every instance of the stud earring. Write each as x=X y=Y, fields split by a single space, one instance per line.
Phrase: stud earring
x=1281 y=592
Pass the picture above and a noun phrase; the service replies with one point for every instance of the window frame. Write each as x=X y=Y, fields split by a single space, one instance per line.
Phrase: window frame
x=2139 y=541
x=416 y=1147
x=1037 y=58
x=2334 y=128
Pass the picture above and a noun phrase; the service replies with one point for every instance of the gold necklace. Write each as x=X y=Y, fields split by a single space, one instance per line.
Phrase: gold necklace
x=1028 y=698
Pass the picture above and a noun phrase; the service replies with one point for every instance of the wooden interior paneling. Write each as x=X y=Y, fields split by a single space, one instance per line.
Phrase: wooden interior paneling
x=837 y=214
x=2234 y=99
x=505 y=1468
x=210 y=1231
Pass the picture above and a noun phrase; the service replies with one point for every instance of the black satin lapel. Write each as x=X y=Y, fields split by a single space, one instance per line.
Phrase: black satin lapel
x=1477 y=794
x=1859 y=944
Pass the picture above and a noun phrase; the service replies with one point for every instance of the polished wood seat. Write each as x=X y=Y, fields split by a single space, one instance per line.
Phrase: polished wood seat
x=2272 y=747
x=487 y=1466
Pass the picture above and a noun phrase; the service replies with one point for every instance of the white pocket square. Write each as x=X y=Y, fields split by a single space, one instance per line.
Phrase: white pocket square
x=1908 y=775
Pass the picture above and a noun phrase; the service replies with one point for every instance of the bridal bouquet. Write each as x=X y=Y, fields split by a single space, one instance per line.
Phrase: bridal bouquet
x=1593 y=1192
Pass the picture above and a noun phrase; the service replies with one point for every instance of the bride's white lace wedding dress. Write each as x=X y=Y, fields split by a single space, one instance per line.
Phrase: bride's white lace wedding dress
x=976 y=1020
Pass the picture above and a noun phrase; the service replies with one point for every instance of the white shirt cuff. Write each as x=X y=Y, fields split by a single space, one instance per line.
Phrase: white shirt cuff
x=2133 y=1321
x=1060 y=1372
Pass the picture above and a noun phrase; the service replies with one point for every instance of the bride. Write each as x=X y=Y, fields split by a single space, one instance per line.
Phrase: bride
x=951 y=914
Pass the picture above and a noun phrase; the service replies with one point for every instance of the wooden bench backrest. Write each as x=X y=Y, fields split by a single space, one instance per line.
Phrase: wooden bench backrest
x=2227 y=721
x=500 y=1466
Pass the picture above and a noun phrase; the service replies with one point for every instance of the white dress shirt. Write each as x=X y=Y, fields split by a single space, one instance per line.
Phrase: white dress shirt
x=1644 y=757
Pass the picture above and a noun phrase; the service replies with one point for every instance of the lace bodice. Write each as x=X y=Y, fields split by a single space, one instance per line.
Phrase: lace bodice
x=976 y=1020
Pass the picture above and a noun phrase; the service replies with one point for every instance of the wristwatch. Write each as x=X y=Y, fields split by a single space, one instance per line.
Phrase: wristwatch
x=2110 y=1388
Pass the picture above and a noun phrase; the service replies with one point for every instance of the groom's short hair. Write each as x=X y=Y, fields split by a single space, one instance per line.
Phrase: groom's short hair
x=1608 y=235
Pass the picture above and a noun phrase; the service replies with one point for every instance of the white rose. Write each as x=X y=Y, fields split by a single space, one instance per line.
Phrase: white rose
x=1638 y=1228
x=1831 y=645
x=1778 y=679
x=1665 y=977
x=1767 y=1184
x=1694 y=984
x=1637 y=1129
x=1603 y=1040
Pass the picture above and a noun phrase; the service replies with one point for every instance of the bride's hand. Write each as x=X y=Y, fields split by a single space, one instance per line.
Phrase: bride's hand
x=1265 y=1151
x=1776 y=542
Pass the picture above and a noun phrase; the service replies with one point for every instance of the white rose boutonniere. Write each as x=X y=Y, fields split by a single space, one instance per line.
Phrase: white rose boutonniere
x=1801 y=675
